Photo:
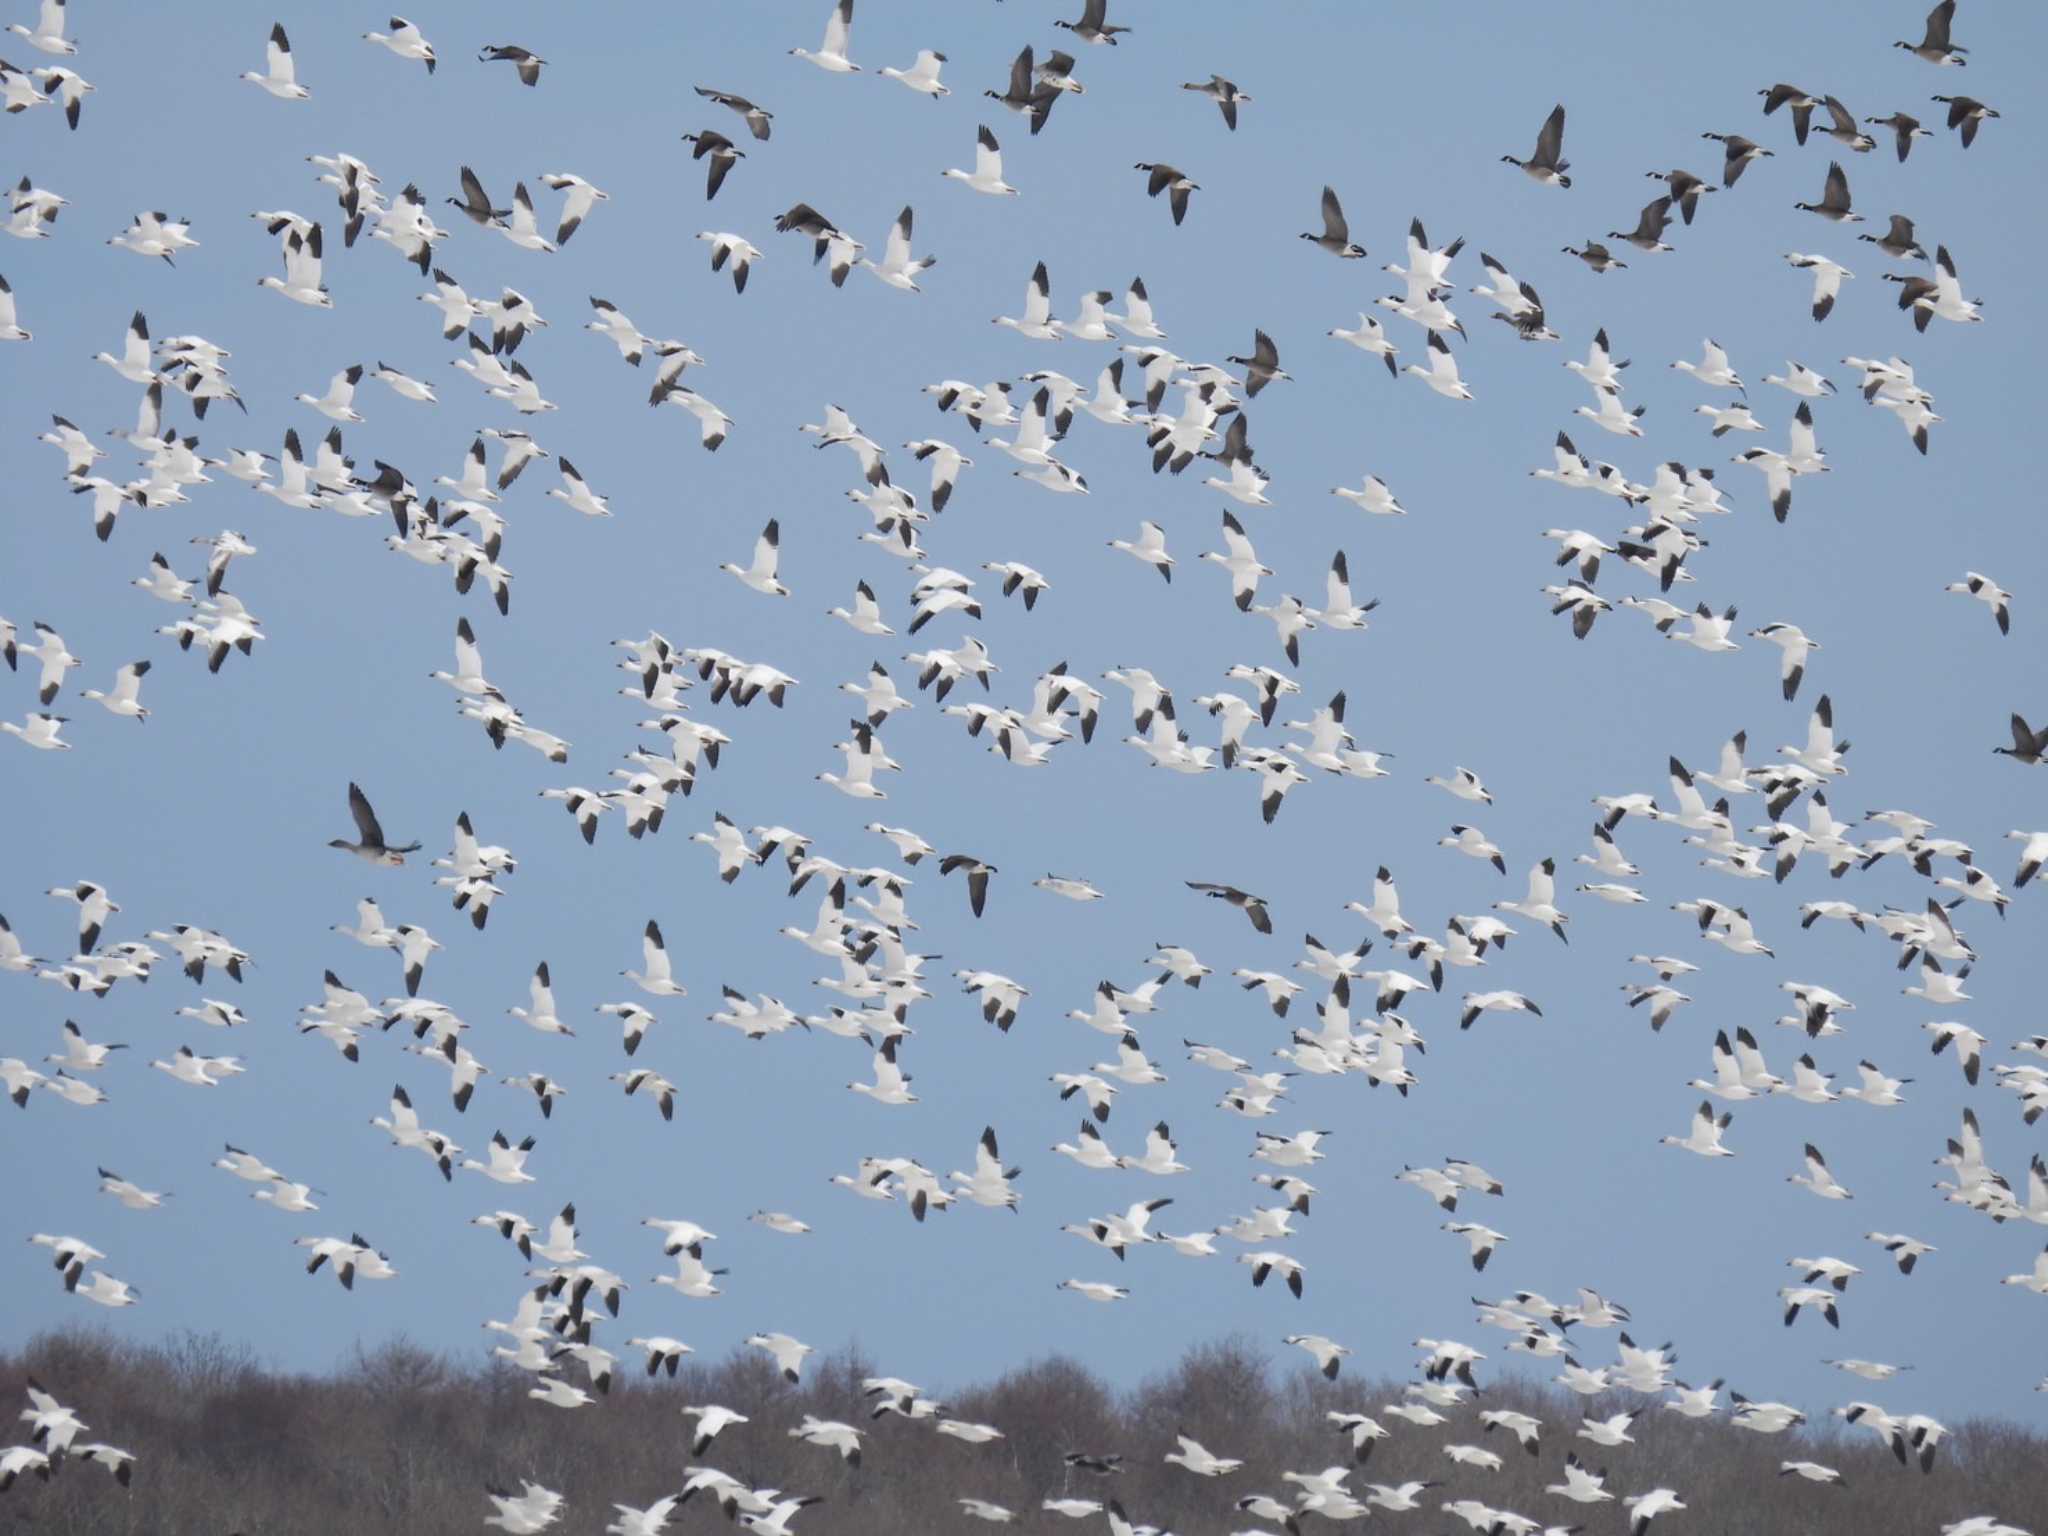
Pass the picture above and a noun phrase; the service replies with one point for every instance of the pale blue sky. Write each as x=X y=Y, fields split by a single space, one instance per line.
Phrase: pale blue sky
x=216 y=811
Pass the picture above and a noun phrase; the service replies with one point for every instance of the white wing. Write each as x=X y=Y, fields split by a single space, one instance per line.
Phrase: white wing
x=839 y=28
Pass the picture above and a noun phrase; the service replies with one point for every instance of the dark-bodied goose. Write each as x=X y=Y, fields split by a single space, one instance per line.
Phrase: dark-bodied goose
x=1336 y=235
x=1546 y=165
x=527 y=62
x=1792 y=96
x=757 y=119
x=1594 y=255
x=1834 y=199
x=1905 y=129
x=1898 y=241
x=1843 y=129
x=1686 y=189
x=1934 y=45
x=1224 y=93
x=371 y=845
x=1738 y=152
x=1093 y=27
x=1966 y=112
x=1165 y=178
x=1650 y=226
x=722 y=153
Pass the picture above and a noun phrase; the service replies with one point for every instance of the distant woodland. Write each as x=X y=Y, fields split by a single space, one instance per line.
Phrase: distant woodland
x=402 y=1441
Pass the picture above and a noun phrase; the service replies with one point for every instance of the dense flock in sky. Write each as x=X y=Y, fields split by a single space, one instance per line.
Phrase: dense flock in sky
x=987 y=793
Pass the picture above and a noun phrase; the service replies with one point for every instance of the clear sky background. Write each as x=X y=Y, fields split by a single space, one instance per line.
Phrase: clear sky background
x=217 y=810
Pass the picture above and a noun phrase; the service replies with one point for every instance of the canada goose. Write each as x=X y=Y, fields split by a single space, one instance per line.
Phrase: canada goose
x=1898 y=241
x=524 y=60
x=1686 y=189
x=1544 y=165
x=1336 y=235
x=1843 y=128
x=1966 y=113
x=1595 y=255
x=1650 y=226
x=722 y=154
x=1934 y=45
x=757 y=120
x=1160 y=178
x=1737 y=153
x=1224 y=93
x=1093 y=27
x=1834 y=202
x=2028 y=746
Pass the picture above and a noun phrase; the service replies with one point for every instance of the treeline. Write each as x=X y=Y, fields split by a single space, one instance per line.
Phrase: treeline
x=401 y=1441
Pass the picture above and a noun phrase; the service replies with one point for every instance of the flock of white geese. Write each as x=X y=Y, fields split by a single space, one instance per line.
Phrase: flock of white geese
x=1361 y=1007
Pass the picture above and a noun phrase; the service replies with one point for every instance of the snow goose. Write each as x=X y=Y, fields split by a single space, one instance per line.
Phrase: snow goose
x=1611 y=416
x=1939 y=298
x=522 y=229
x=1827 y=280
x=831 y=55
x=1150 y=548
x=106 y=1291
x=47 y=36
x=1473 y=843
x=1704 y=1138
x=897 y=268
x=659 y=978
x=508 y=1162
x=1645 y=1507
x=301 y=282
x=1476 y=1003
x=1817 y=1177
x=123 y=700
x=1371 y=337
x=1237 y=557
x=1539 y=904
x=280 y=77
x=336 y=403
x=922 y=76
x=133 y=365
x=1544 y=165
x=721 y=153
x=1160 y=177
x=1442 y=373
x=404 y=39
x=2036 y=1279
x=1094 y=1290
x=759 y=576
x=528 y=63
x=153 y=234
x=404 y=385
